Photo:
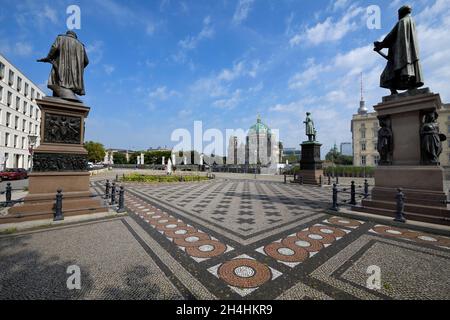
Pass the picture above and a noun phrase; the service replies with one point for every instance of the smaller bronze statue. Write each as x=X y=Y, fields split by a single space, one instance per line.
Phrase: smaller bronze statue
x=310 y=130
x=385 y=141
x=403 y=70
x=431 y=139
x=68 y=58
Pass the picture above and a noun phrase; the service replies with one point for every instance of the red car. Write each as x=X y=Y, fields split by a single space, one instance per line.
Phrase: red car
x=13 y=174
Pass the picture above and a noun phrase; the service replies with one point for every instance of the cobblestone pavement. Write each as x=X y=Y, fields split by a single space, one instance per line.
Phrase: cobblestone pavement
x=226 y=239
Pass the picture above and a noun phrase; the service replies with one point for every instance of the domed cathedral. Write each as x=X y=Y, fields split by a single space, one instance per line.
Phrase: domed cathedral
x=261 y=147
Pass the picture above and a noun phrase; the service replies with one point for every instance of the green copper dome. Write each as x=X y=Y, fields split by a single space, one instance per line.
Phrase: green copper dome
x=259 y=127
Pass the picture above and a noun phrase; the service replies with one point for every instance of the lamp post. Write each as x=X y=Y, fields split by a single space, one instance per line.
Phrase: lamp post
x=32 y=139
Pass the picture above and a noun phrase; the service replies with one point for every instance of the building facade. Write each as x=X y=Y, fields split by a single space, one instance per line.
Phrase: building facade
x=364 y=128
x=261 y=147
x=19 y=116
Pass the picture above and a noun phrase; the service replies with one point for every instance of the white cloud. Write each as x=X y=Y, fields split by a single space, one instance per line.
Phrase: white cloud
x=329 y=30
x=109 y=69
x=242 y=10
x=95 y=51
x=191 y=42
x=162 y=93
x=230 y=102
x=23 y=49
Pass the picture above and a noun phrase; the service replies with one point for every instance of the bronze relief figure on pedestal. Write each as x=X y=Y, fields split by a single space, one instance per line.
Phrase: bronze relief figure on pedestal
x=430 y=139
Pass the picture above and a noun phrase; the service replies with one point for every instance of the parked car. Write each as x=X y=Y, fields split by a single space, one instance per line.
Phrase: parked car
x=13 y=174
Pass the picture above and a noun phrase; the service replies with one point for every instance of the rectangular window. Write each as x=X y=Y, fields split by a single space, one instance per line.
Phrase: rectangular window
x=24 y=125
x=26 y=89
x=19 y=83
x=363 y=134
x=31 y=111
x=32 y=94
x=9 y=99
x=11 y=78
x=8 y=119
x=363 y=146
x=23 y=143
x=1 y=93
x=363 y=160
x=376 y=159
x=25 y=106
x=36 y=129
x=17 y=103
x=2 y=71
x=6 y=139
x=15 y=142
x=30 y=128
x=16 y=123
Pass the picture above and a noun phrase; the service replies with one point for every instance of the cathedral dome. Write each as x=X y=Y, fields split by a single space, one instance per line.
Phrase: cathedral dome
x=259 y=128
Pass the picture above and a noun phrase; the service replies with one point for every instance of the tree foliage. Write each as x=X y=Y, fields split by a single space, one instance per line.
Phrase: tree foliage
x=96 y=151
x=119 y=158
x=338 y=158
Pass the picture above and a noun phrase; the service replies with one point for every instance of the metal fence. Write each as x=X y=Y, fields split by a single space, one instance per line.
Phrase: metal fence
x=113 y=198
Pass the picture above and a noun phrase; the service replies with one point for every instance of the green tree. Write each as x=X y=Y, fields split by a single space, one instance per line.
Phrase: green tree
x=96 y=151
x=155 y=157
x=119 y=158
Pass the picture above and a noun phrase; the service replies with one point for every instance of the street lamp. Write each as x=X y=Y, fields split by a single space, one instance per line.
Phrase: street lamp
x=32 y=140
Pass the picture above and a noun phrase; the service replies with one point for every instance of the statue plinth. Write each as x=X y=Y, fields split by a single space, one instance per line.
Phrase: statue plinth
x=310 y=163
x=60 y=162
x=423 y=185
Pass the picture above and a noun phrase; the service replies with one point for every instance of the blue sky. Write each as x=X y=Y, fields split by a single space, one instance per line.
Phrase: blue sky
x=160 y=65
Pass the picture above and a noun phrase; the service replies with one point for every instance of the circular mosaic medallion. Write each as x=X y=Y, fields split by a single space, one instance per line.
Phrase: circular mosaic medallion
x=170 y=225
x=282 y=252
x=206 y=249
x=163 y=221
x=244 y=273
x=309 y=236
x=344 y=222
x=191 y=239
x=430 y=239
x=304 y=242
x=393 y=231
x=335 y=232
x=179 y=232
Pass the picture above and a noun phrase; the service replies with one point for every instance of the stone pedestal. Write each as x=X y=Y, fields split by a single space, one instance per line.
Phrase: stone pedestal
x=60 y=162
x=310 y=163
x=423 y=185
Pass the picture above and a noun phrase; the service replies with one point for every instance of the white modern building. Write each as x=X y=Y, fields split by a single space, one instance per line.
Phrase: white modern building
x=19 y=116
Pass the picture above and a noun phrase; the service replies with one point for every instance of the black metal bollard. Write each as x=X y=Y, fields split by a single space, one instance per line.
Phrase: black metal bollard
x=117 y=177
x=353 y=194
x=337 y=179
x=320 y=180
x=301 y=179
x=58 y=206
x=329 y=180
x=285 y=178
x=107 y=186
x=400 y=212
x=113 y=193
x=8 y=194
x=121 y=200
x=335 y=198
x=366 y=189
